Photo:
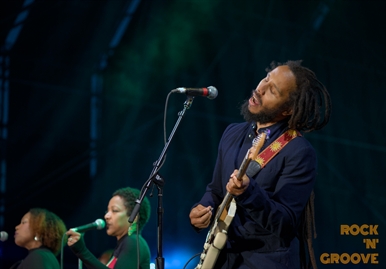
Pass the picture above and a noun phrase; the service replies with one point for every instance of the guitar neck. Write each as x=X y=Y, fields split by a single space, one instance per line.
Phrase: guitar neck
x=224 y=204
x=243 y=168
x=247 y=159
x=228 y=197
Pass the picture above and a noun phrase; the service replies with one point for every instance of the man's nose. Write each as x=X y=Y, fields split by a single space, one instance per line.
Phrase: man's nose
x=260 y=90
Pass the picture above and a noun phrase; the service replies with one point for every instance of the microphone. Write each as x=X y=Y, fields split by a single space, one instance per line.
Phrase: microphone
x=210 y=92
x=3 y=236
x=98 y=224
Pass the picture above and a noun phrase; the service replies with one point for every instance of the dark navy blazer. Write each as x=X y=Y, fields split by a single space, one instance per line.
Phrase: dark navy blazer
x=264 y=228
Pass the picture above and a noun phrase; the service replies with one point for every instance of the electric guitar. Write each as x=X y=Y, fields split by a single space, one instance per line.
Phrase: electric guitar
x=217 y=235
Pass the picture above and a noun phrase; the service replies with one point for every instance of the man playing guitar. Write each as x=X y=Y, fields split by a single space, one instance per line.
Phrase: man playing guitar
x=271 y=202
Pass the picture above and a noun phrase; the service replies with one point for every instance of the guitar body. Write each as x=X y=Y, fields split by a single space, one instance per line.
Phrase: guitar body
x=217 y=235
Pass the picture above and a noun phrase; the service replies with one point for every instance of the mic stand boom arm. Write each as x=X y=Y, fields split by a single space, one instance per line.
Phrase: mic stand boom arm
x=158 y=180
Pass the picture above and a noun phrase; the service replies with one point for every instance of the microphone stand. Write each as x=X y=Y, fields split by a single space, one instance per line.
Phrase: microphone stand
x=80 y=263
x=158 y=180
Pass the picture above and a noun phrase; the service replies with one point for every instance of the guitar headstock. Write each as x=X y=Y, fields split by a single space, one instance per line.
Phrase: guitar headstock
x=258 y=143
x=261 y=137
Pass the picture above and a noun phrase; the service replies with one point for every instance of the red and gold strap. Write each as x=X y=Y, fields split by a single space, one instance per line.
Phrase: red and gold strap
x=266 y=155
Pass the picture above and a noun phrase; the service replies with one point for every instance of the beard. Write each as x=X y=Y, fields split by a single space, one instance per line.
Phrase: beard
x=265 y=116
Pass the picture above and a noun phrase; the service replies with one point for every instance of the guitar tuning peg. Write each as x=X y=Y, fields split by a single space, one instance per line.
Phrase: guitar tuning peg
x=267 y=132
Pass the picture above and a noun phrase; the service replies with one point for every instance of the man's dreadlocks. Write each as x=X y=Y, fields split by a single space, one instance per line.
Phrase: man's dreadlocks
x=311 y=108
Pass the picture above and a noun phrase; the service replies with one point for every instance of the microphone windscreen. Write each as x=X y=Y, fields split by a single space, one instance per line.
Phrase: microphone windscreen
x=3 y=236
x=100 y=224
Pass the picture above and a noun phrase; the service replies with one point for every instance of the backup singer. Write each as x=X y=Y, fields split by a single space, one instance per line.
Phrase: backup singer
x=40 y=231
x=130 y=243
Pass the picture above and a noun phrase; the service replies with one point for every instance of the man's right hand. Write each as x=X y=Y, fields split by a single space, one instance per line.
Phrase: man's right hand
x=200 y=216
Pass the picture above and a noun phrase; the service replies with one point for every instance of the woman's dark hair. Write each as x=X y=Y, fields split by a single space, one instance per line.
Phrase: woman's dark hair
x=130 y=195
x=48 y=227
x=310 y=102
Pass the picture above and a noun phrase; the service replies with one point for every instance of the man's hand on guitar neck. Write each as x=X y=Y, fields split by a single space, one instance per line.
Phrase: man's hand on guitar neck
x=200 y=216
x=237 y=186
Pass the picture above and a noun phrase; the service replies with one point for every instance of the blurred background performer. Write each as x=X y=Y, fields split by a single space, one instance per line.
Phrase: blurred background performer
x=130 y=243
x=40 y=232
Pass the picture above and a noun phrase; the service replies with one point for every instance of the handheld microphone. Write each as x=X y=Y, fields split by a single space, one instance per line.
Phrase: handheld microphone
x=98 y=224
x=210 y=92
x=3 y=236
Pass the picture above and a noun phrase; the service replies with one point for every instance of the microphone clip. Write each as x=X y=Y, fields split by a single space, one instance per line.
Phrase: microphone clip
x=158 y=179
x=188 y=102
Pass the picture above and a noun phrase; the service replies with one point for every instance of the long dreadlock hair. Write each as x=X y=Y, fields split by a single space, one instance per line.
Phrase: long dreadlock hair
x=311 y=108
x=310 y=101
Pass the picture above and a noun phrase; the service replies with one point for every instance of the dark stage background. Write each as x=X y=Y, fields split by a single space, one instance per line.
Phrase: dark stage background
x=83 y=92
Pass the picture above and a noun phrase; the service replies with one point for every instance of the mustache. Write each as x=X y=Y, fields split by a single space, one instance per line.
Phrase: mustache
x=257 y=96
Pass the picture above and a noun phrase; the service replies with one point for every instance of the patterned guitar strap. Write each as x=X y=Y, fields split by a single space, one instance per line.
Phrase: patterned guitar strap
x=268 y=153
